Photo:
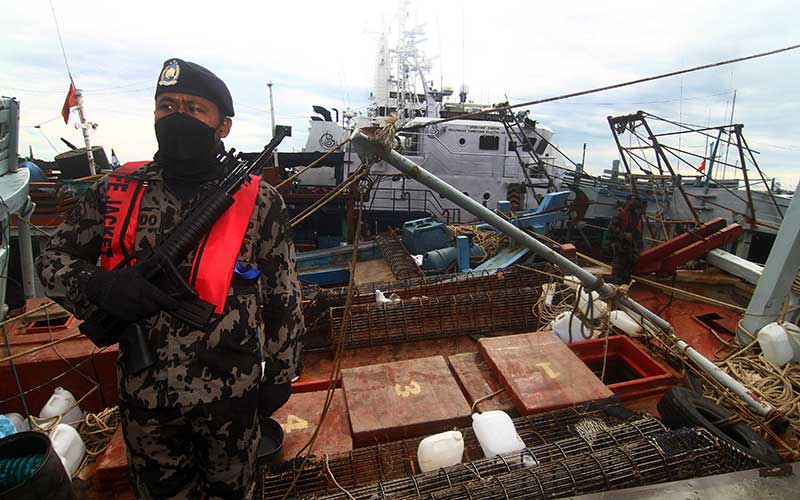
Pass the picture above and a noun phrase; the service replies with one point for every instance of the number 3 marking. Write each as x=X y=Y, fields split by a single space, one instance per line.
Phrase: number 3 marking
x=406 y=391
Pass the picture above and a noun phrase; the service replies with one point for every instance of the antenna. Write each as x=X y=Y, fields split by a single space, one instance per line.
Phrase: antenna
x=463 y=49
x=60 y=40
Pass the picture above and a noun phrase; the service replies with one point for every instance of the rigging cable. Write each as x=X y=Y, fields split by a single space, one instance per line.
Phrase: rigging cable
x=607 y=87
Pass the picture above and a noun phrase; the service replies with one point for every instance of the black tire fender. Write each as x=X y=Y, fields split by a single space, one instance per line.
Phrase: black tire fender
x=681 y=407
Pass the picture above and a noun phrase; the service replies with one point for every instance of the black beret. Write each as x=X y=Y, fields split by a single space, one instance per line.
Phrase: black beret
x=186 y=77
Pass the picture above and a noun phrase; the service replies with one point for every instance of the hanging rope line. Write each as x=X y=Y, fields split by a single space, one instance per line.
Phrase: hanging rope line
x=311 y=165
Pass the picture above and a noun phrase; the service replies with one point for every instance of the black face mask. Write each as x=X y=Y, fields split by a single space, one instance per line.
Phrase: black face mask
x=182 y=138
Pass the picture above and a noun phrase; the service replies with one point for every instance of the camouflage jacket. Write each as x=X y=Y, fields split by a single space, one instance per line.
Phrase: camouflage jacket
x=194 y=366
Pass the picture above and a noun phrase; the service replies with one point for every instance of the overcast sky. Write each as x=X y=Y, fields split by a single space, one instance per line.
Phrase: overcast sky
x=322 y=52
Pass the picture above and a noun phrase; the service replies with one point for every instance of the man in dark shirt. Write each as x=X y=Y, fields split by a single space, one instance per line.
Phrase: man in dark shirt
x=626 y=234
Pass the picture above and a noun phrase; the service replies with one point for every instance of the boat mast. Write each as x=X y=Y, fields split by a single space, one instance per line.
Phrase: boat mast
x=84 y=125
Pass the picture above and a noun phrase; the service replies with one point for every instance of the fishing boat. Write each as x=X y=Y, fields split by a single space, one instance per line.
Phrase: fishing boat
x=490 y=157
x=684 y=384
x=628 y=399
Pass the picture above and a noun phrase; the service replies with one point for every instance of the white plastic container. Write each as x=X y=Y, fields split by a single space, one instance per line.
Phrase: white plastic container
x=625 y=322
x=69 y=446
x=549 y=291
x=775 y=344
x=569 y=328
x=496 y=433
x=794 y=339
x=62 y=403
x=571 y=281
x=598 y=308
x=19 y=422
x=440 y=450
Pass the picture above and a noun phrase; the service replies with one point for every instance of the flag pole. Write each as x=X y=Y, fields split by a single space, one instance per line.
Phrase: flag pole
x=85 y=129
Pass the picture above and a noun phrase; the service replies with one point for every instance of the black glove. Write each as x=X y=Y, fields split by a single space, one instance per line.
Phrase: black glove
x=126 y=294
x=272 y=396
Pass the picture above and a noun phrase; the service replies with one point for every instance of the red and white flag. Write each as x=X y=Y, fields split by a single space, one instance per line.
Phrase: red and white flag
x=70 y=102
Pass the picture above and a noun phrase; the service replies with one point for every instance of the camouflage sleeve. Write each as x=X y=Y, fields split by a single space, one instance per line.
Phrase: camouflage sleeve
x=73 y=246
x=283 y=314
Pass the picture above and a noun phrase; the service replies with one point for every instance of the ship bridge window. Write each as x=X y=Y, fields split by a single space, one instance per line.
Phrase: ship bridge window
x=541 y=147
x=512 y=146
x=529 y=145
x=409 y=143
x=489 y=142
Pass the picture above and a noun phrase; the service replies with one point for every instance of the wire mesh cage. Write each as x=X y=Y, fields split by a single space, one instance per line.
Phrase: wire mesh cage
x=592 y=436
x=424 y=318
x=396 y=255
x=670 y=456
x=385 y=462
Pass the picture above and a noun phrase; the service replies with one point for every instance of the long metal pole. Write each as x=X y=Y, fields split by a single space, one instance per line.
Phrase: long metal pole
x=622 y=155
x=737 y=129
x=271 y=109
x=760 y=173
x=660 y=153
x=26 y=250
x=85 y=130
x=369 y=150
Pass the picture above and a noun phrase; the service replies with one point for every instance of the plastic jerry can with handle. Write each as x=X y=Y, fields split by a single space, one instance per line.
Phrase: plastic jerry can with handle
x=775 y=344
x=62 y=403
x=440 y=450
x=69 y=446
x=496 y=433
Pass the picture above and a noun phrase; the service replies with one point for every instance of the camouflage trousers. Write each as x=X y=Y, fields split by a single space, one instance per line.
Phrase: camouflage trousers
x=203 y=451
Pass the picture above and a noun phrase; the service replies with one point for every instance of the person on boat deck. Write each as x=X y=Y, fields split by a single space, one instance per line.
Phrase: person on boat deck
x=191 y=421
x=626 y=236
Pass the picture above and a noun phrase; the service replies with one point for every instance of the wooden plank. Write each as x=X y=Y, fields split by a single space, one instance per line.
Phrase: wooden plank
x=403 y=399
x=477 y=380
x=299 y=417
x=700 y=248
x=650 y=259
x=540 y=372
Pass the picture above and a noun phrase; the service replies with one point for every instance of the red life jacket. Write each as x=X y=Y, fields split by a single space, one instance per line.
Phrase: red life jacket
x=629 y=223
x=215 y=257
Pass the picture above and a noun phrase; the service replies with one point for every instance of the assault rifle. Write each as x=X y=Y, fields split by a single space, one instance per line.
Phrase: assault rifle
x=159 y=264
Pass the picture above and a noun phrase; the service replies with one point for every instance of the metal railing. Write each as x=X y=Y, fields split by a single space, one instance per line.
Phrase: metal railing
x=413 y=200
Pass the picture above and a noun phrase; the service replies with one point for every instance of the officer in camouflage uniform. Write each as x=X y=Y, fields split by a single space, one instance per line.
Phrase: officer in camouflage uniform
x=626 y=235
x=190 y=422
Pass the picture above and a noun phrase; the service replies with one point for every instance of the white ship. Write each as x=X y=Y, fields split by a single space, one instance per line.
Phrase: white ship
x=490 y=158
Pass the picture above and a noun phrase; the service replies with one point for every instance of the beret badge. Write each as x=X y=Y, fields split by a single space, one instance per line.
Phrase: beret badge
x=170 y=74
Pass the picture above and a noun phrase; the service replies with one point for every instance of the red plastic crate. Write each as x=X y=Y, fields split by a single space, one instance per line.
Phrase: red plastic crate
x=631 y=372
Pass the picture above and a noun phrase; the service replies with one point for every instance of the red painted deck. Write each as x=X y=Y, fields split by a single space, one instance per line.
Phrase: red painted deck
x=540 y=372
x=317 y=365
x=66 y=365
x=112 y=464
x=685 y=316
x=403 y=399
